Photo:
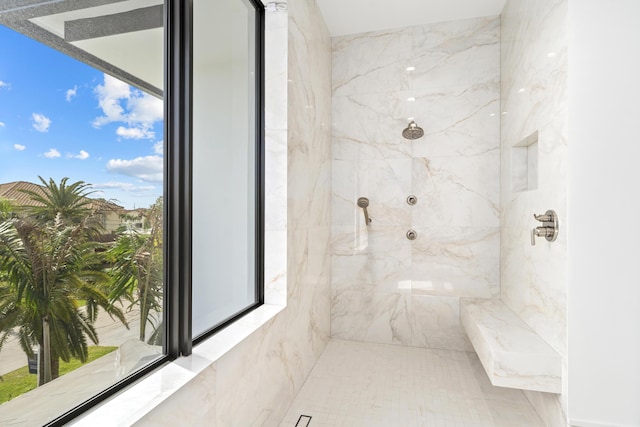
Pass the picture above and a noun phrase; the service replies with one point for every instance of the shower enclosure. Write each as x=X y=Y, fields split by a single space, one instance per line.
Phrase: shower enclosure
x=385 y=287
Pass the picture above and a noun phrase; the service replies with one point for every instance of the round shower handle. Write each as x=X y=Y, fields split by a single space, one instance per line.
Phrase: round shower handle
x=412 y=234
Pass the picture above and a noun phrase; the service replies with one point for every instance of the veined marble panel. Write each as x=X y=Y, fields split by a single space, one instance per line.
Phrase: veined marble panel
x=371 y=62
x=456 y=53
x=369 y=126
x=276 y=181
x=457 y=191
x=394 y=318
x=461 y=120
x=458 y=121
x=386 y=288
x=512 y=354
x=380 y=261
x=456 y=261
x=385 y=182
x=533 y=98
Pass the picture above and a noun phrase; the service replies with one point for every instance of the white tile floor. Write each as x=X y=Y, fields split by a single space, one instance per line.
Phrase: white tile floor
x=358 y=384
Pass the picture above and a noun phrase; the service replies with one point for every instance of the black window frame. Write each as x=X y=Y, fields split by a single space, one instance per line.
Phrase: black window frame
x=259 y=184
x=178 y=90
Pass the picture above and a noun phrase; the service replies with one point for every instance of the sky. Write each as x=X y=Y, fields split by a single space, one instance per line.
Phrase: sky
x=62 y=118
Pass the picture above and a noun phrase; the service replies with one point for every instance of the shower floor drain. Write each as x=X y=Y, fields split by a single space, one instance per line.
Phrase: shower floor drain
x=303 y=421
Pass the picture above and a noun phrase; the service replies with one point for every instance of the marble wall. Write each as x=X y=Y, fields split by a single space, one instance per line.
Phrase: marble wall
x=254 y=383
x=533 y=99
x=386 y=288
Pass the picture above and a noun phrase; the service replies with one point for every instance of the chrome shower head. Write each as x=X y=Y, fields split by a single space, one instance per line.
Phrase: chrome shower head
x=412 y=131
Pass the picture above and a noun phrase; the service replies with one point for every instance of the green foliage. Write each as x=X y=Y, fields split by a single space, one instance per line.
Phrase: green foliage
x=20 y=381
x=49 y=261
x=66 y=203
x=137 y=272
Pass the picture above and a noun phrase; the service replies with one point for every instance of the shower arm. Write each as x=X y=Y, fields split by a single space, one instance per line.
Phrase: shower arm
x=363 y=202
x=367 y=218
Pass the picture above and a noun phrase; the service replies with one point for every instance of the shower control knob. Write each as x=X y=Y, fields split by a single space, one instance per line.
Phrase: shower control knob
x=412 y=234
x=412 y=200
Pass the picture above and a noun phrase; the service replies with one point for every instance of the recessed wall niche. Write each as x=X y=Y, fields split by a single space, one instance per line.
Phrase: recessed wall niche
x=524 y=164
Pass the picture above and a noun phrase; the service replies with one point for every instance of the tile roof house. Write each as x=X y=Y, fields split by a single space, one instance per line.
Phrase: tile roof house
x=108 y=212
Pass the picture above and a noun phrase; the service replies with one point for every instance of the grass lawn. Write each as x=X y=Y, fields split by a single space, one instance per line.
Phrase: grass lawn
x=21 y=381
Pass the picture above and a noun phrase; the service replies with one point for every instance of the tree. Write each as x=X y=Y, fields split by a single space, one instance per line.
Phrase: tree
x=137 y=270
x=68 y=204
x=49 y=263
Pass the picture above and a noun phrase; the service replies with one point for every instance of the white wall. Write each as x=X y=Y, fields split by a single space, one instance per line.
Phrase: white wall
x=533 y=279
x=386 y=288
x=604 y=213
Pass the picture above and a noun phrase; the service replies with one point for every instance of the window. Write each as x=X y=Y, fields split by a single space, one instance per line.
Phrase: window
x=226 y=163
x=131 y=138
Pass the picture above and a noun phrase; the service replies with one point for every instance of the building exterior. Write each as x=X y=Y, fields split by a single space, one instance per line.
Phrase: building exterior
x=111 y=215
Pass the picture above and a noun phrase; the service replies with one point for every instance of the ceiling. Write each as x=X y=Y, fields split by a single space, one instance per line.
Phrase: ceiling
x=358 y=16
x=123 y=38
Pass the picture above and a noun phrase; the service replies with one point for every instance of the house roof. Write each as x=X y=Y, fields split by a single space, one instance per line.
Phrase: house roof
x=15 y=191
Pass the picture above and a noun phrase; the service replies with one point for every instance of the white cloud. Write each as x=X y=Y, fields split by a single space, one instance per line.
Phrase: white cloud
x=1 y=124
x=3 y=84
x=52 y=153
x=71 y=93
x=145 y=108
x=83 y=155
x=142 y=132
x=19 y=147
x=158 y=148
x=148 y=168
x=41 y=123
x=121 y=103
x=124 y=186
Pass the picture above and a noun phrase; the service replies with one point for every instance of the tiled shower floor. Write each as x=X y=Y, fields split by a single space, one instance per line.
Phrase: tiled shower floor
x=358 y=384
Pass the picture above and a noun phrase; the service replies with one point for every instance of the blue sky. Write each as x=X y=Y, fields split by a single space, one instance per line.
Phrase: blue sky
x=62 y=118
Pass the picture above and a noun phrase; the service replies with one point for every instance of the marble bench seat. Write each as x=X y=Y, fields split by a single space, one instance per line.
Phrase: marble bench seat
x=512 y=354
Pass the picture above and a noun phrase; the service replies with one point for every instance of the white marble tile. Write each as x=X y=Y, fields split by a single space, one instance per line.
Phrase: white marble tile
x=384 y=182
x=364 y=384
x=369 y=126
x=457 y=192
x=533 y=98
x=456 y=261
x=386 y=288
x=276 y=33
x=548 y=406
x=534 y=91
x=240 y=372
x=458 y=53
x=372 y=317
x=382 y=264
x=512 y=354
x=276 y=180
x=371 y=62
x=172 y=411
x=436 y=323
x=396 y=318
x=458 y=121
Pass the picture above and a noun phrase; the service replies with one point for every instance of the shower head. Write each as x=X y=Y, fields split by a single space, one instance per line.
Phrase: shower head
x=363 y=202
x=412 y=131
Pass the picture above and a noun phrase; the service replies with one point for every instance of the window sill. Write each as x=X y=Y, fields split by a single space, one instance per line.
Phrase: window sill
x=141 y=398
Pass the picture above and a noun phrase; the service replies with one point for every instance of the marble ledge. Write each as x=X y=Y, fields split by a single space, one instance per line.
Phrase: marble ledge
x=512 y=354
x=129 y=406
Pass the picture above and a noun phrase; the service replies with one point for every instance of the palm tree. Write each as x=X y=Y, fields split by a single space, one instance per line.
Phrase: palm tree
x=49 y=262
x=5 y=209
x=68 y=203
x=137 y=270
